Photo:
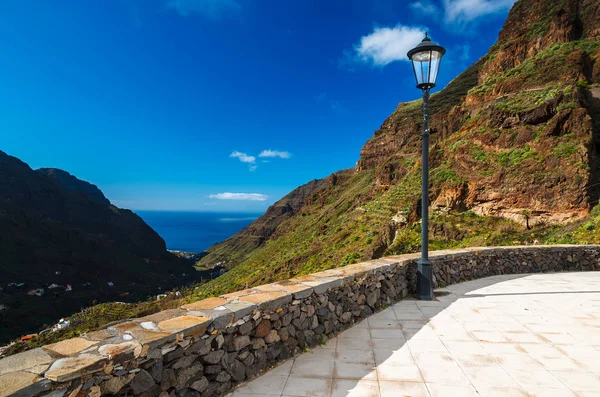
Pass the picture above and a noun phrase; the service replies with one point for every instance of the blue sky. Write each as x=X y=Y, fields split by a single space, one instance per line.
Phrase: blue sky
x=216 y=105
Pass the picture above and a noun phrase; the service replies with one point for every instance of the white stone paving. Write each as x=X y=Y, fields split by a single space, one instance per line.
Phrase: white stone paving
x=523 y=335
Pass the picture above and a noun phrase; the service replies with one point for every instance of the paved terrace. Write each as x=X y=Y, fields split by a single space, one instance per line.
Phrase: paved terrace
x=509 y=335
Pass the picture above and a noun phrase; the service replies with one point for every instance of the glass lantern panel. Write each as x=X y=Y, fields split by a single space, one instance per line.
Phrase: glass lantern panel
x=426 y=65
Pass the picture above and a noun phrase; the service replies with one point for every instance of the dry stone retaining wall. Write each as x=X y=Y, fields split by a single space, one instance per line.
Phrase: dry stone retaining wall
x=208 y=347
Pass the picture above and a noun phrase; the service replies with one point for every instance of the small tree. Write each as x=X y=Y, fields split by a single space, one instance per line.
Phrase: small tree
x=527 y=215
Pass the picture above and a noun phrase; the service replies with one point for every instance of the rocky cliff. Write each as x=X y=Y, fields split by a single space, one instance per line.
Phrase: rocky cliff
x=57 y=229
x=514 y=159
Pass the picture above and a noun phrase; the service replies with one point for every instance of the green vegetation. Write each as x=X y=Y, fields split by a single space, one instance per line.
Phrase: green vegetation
x=552 y=63
x=565 y=149
x=514 y=157
x=528 y=99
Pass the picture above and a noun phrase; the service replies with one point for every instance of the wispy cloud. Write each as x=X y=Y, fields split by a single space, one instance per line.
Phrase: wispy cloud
x=275 y=153
x=243 y=157
x=212 y=9
x=239 y=196
x=384 y=45
x=464 y=11
x=423 y=7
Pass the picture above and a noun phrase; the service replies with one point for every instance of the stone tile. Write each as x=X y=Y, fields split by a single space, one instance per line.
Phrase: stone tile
x=517 y=361
x=70 y=346
x=23 y=383
x=384 y=323
x=268 y=300
x=345 y=370
x=402 y=373
x=282 y=369
x=206 y=304
x=73 y=367
x=395 y=334
x=298 y=290
x=317 y=354
x=386 y=356
x=265 y=385
x=583 y=381
x=426 y=345
x=522 y=337
x=460 y=347
x=489 y=376
x=330 y=344
x=320 y=284
x=239 y=309
x=474 y=360
x=502 y=348
x=151 y=338
x=391 y=344
x=361 y=333
x=446 y=373
x=354 y=343
x=101 y=334
x=312 y=369
x=546 y=392
x=353 y=388
x=302 y=387
x=355 y=356
x=536 y=378
x=396 y=389
x=25 y=360
x=161 y=316
x=490 y=336
x=113 y=351
x=501 y=392
x=124 y=326
x=188 y=325
x=437 y=390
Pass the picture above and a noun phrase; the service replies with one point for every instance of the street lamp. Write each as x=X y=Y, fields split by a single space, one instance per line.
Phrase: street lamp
x=425 y=58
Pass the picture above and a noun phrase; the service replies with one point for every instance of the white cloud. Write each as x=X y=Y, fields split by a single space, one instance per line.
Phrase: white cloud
x=275 y=153
x=239 y=196
x=253 y=168
x=469 y=10
x=243 y=157
x=385 y=45
x=423 y=7
x=212 y=9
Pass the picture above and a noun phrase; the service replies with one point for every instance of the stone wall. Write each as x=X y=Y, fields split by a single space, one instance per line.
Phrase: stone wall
x=208 y=347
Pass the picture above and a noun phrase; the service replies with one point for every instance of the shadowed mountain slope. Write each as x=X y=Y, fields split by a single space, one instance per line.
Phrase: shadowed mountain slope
x=57 y=229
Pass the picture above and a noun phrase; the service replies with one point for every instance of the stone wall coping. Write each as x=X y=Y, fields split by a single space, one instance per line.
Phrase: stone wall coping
x=133 y=338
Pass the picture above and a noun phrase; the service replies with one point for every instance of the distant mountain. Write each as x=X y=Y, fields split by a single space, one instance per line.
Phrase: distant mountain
x=514 y=159
x=57 y=229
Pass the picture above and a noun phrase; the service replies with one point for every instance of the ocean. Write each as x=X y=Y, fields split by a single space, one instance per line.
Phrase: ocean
x=195 y=231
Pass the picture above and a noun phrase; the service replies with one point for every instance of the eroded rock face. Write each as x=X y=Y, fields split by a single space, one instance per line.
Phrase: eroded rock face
x=515 y=132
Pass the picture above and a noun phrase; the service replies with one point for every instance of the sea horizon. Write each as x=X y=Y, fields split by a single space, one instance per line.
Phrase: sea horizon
x=196 y=231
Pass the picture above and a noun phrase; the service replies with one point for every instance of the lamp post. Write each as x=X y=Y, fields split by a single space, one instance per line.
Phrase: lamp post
x=425 y=58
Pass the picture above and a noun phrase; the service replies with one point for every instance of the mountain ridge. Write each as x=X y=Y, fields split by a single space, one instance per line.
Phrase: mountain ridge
x=57 y=229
